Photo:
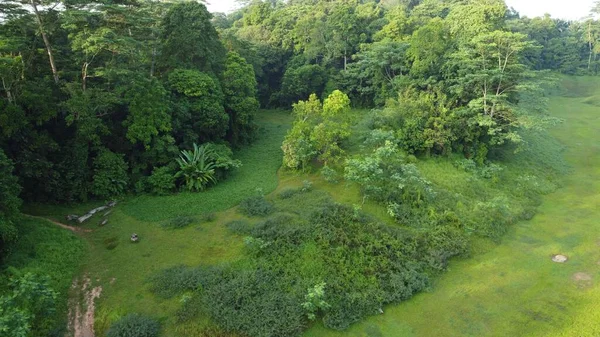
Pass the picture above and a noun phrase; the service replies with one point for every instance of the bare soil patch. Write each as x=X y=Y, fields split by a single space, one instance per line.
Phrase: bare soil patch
x=82 y=308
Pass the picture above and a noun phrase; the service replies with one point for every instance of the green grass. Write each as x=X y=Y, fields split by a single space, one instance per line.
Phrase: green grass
x=514 y=289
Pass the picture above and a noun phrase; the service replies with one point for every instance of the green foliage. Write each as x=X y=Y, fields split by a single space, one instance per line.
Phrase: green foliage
x=386 y=177
x=148 y=112
x=110 y=174
x=299 y=83
x=256 y=206
x=161 y=181
x=239 y=88
x=317 y=131
x=175 y=280
x=330 y=175
x=134 y=325
x=316 y=260
x=36 y=279
x=204 y=165
x=239 y=226
x=190 y=40
x=288 y=193
x=28 y=307
x=9 y=201
x=314 y=301
x=198 y=112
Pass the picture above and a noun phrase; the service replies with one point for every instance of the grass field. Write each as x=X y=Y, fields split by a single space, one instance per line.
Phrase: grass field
x=506 y=289
x=515 y=289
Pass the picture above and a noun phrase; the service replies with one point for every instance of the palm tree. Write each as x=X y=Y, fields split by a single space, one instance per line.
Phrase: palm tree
x=197 y=167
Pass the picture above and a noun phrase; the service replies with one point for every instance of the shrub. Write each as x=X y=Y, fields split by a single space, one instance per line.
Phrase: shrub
x=175 y=281
x=288 y=193
x=239 y=227
x=253 y=302
x=205 y=165
x=178 y=222
x=256 y=206
x=330 y=175
x=110 y=174
x=307 y=186
x=134 y=325
x=162 y=181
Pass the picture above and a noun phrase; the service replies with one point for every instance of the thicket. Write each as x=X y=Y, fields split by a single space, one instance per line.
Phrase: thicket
x=315 y=259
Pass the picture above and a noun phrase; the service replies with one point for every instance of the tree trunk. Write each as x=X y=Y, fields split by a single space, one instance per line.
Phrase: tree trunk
x=84 y=75
x=46 y=41
x=345 y=60
x=9 y=96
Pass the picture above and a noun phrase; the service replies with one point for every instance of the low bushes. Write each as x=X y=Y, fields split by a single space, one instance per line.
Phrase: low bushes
x=335 y=264
x=256 y=206
x=134 y=325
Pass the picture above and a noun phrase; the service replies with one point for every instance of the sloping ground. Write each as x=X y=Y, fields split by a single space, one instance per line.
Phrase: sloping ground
x=515 y=289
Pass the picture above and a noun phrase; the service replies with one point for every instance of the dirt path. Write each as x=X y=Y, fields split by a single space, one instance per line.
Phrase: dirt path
x=82 y=308
x=71 y=228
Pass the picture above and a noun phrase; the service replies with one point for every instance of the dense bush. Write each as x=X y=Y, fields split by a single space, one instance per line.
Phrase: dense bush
x=256 y=206
x=175 y=280
x=9 y=202
x=318 y=131
x=134 y=325
x=161 y=181
x=330 y=175
x=335 y=264
x=110 y=175
x=288 y=193
x=239 y=227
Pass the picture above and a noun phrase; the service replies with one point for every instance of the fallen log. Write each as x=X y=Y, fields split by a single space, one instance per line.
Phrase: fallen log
x=72 y=217
x=89 y=214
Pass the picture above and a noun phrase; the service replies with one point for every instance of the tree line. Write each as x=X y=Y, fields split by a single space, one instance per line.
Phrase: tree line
x=99 y=98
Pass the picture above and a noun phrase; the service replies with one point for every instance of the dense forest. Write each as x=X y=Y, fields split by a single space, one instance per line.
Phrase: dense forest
x=100 y=100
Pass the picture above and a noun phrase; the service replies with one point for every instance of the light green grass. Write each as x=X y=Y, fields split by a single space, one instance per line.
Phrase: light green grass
x=515 y=289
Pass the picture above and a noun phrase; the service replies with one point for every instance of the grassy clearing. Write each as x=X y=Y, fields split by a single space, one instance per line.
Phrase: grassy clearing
x=510 y=289
x=514 y=289
x=194 y=233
